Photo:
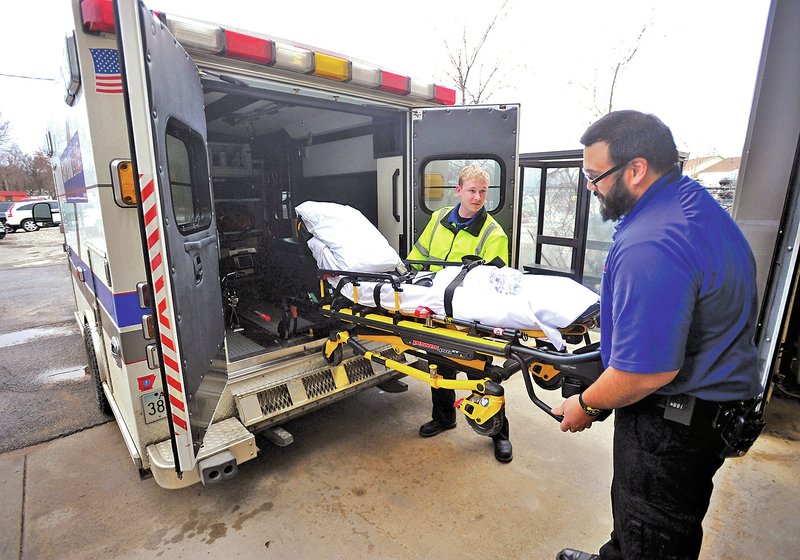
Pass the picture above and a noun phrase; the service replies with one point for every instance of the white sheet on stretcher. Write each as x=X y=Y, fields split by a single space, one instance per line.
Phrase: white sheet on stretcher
x=502 y=297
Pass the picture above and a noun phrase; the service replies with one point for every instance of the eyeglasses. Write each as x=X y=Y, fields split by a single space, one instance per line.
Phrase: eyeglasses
x=595 y=180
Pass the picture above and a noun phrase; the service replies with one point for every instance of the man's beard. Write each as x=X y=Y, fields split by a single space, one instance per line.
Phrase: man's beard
x=618 y=202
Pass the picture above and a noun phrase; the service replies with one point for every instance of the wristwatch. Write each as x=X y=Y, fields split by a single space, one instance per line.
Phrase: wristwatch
x=593 y=412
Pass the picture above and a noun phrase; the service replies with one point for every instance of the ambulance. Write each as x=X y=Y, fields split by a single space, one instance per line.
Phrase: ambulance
x=184 y=148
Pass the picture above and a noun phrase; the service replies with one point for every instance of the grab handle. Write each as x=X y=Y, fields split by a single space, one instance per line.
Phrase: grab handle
x=395 y=212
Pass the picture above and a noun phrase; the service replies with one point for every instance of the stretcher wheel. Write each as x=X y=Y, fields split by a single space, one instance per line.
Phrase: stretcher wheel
x=545 y=376
x=490 y=427
x=336 y=356
x=550 y=385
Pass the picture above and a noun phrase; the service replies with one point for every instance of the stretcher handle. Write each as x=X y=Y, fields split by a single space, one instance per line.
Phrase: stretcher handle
x=531 y=392
x=396 y=280
x=555 y=358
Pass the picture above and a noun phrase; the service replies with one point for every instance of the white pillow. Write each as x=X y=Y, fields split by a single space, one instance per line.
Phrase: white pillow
x=353 y=240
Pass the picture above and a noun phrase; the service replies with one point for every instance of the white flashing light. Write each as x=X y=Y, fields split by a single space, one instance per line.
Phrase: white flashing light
x=365 y=75
x=421 y=90
x=197 y=36
x=293 y=58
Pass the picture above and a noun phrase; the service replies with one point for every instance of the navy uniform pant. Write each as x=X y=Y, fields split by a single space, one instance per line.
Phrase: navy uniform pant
x=444 y=399
x=662 y=482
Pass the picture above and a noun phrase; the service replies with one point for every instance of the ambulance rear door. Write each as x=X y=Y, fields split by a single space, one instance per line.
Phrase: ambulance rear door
x=167 y=126
x=444 y=139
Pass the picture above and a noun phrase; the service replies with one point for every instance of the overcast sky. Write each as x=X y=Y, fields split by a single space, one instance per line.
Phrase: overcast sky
x=695 y=65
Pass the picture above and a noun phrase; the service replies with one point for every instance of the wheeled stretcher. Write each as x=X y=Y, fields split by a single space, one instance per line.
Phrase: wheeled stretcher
x=551 y=349
x=495 y=353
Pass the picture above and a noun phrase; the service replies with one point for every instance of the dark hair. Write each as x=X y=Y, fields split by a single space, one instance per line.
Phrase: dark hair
x=631 y=134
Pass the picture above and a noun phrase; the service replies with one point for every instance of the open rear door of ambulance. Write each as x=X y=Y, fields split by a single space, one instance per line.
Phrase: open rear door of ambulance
x=164 y=101
x=446 y=138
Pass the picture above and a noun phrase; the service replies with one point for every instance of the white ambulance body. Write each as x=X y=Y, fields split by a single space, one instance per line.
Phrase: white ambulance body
x=184 y=149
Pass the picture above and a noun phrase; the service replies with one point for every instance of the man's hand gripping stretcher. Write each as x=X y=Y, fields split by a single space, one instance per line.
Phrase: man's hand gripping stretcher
x=452 y=317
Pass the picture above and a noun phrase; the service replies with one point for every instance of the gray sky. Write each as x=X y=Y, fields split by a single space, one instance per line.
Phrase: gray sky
x=695 y=66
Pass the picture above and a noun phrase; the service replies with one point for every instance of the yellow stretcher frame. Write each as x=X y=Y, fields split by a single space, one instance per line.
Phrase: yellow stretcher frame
x=458 y=343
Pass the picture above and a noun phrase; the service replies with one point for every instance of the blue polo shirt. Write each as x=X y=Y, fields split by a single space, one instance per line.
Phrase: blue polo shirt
x=679 y=292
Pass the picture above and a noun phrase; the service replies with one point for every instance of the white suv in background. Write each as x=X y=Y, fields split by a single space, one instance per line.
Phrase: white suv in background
x=20 y=215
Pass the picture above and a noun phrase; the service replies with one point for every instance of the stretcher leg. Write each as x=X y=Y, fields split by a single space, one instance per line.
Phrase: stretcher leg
x=484 y=407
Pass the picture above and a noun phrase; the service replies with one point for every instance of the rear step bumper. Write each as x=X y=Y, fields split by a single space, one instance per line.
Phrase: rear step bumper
x=225 y=436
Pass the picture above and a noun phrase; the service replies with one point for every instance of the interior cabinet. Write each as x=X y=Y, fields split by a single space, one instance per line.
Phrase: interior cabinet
x=230 y=159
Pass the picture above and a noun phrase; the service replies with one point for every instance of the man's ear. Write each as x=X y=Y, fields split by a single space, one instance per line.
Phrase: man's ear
x=639 y=166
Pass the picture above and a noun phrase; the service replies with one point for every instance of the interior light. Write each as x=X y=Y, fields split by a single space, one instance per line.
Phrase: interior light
x=331 y=67
x=248 y=48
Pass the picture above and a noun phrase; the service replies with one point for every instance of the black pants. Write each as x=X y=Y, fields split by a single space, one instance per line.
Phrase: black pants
x=662 y=482
x=444 y=399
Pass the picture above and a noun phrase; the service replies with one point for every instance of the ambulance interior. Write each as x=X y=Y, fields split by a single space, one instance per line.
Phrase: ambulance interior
x=270 y=151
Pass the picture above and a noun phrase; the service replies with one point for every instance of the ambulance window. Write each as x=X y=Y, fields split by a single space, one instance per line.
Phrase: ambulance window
x=188 y=178
x=440 y=177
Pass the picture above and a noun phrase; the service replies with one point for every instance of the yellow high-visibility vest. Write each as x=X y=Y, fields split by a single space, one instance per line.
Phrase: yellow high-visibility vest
x=442 y=240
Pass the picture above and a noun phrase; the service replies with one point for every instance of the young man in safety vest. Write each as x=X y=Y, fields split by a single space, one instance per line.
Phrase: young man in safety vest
x=452 y=233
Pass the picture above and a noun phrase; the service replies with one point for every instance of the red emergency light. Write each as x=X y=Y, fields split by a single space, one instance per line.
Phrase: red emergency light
x=248 y=48
x=395 y=83
x=98 y=16
x=444 y=96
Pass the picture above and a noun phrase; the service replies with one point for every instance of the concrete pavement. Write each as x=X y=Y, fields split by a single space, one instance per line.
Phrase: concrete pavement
x=359 y=483
x=44 y=390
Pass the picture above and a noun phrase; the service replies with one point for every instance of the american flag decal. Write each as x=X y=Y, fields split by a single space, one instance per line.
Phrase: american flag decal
x=107 y=75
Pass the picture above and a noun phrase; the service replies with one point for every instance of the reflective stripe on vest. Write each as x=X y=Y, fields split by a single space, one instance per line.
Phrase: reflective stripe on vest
x=426 y=251
x=423 y=251
x=491 y=227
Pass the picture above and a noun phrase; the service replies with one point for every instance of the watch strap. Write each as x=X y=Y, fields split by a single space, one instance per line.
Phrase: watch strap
x=590 y=411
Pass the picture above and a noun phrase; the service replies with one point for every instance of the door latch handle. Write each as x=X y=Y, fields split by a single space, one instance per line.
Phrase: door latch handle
x=190 y=246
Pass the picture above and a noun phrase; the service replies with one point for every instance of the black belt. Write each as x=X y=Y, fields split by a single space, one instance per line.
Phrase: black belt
x=680 y=409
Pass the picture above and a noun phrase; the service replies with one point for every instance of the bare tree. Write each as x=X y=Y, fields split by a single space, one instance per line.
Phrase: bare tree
x=13 y=169
x=40 y=175
x=621 y=65
x=5 y=135
x=601 y=104
x=471 y=76
x=25 y=172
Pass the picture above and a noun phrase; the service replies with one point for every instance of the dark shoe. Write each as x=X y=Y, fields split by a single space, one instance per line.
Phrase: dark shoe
x=432 y=428
x=503 y=451
x=572 y=554
x=393 y=385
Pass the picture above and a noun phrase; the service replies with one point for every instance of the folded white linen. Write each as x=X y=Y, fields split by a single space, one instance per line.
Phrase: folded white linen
x=355 y=243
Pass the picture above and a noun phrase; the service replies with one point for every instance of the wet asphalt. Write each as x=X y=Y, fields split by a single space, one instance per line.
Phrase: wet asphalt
x=45 y=392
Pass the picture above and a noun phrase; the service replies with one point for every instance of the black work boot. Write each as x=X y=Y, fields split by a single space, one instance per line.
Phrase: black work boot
x=432 y=428
x=572 y=554
x=503 y=451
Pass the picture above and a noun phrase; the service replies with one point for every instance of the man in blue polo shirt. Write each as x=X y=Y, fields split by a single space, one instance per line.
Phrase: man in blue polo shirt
x=678 y=315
